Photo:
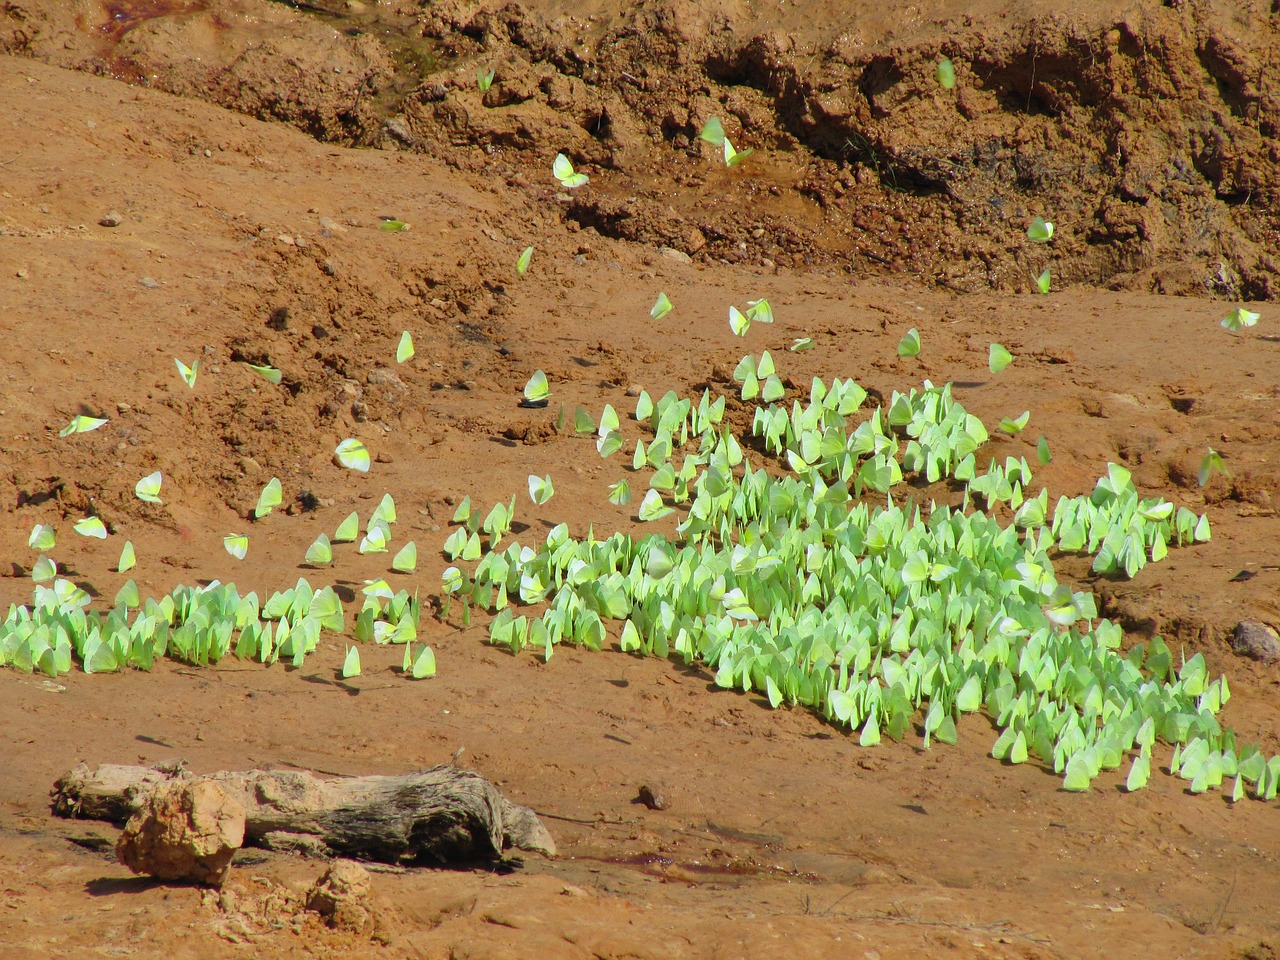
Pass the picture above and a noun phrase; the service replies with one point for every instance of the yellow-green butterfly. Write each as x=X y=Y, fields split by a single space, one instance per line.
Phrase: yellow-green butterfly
x=1040 y=231
x=946 y=74
x=81 y=424
x=91 y=527
x=351 y=665
x=268 y=372
x=1239 y=318
x=44 y=570
x=42 y=537
x=661 y=307
x=188 y=374
x=406 y=560
x=734 y=157
x=523 y=261
x=351 y=453
x=348 y=529
x=320 y=552
x=268 y=499
x=404 y=351
x=909 y=345
x=563 y=171
x=652 y=507
x=998 y=357
x=148 y=488
x=712 y=132
x=236 y=544
x=540 y=489
x=537 y=391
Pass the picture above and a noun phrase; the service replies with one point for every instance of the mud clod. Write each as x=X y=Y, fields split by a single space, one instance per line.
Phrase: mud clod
x=1256 y=640
x=184 y=831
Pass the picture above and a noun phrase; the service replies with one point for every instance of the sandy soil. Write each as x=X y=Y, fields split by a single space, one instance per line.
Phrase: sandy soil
x=248 y=151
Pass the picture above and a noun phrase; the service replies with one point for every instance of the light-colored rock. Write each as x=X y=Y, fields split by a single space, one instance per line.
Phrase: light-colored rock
x=184 y=830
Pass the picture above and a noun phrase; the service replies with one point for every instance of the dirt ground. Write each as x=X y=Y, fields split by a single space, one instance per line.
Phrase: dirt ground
x=207 y=179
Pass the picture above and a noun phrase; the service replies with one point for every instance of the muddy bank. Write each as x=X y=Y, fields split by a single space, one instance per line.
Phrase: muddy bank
x=1150 y=138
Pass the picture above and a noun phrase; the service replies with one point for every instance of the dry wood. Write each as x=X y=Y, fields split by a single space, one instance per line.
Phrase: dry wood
x=432 y=816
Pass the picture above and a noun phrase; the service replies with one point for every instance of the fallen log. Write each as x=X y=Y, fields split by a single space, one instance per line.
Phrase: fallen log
x=434 y=816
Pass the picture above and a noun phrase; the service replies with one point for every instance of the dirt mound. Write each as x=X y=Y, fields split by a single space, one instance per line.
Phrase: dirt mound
x=1151 y=139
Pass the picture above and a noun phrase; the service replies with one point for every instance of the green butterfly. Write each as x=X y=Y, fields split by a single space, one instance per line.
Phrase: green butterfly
x=320 y=552
x=352 y=454
x=348 y=529
x=188 y=374
x=909 y=345
x=42 y=537
x=998 y=358
x=91 y=527
x=269 y=373
x=946 y=74
x=563 y=171
x=270 y=498
x=81 y=424
x=1040 y=231
x=404 y=351
x=712 y=132
x=540 y=489
x=537 y=391
x=148 y=488
x=406 y=560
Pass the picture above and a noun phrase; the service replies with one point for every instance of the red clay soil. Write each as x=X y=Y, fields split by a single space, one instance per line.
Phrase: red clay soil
x=247 y=152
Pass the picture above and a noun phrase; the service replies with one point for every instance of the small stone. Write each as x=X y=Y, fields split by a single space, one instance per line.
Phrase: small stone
x=151 y=283
x=635 y=390
x=123 y=407
x=671 y=253
x=383 y=375
x=1256 y=640
x=654 y=797
x=112 y=219
x=383 y=458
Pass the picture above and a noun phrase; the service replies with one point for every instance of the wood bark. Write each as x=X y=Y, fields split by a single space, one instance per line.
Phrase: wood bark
x=440 y=815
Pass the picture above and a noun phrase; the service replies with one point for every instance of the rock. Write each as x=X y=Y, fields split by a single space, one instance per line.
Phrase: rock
x=383 y=375
x=671 y=253
x=184 y=830
x=1256 y=640
x=653 y=796
x=112 y=219
x=344 y=897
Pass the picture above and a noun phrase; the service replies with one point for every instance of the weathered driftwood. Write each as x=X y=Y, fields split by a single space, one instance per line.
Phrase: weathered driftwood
x=434 y=816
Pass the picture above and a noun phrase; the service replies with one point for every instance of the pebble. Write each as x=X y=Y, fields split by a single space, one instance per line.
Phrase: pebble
x=671 y=253
x=1256 y=640
x=151 y=283
x=654 y=797
x=112 y=219
x=635 y=390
